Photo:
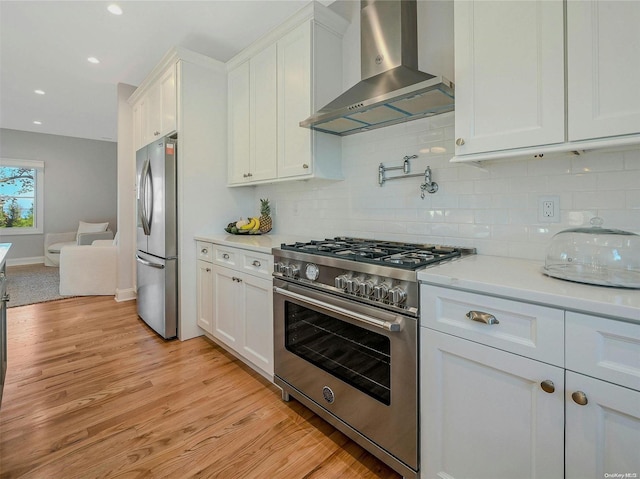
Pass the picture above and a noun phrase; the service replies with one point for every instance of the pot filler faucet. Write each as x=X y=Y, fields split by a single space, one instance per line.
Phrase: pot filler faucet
x=429 y=186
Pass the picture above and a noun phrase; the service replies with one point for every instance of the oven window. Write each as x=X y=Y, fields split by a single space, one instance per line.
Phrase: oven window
x=353 y=354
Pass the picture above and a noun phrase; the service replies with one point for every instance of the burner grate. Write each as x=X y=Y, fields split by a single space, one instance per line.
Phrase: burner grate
x=399 y=255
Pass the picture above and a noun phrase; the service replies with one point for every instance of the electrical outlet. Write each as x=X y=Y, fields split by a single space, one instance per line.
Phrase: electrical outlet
x=549 y=209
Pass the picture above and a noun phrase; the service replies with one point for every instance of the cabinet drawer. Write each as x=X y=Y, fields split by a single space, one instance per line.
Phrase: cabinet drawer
x=603 y=348
x=532 y=331
x=226 y=256
x=257 y=263
x=205 y=251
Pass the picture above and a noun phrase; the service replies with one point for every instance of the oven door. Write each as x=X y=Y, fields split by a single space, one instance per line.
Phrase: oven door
x=357 y=362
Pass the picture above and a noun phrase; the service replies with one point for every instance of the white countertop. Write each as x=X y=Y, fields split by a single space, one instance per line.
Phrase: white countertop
x=523 y=280
x=259 y=243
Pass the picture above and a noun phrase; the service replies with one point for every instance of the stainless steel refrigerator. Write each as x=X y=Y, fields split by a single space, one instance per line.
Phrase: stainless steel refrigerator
x=157 y=236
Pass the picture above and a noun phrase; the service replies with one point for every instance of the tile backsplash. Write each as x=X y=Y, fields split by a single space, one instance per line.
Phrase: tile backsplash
x=492 y=207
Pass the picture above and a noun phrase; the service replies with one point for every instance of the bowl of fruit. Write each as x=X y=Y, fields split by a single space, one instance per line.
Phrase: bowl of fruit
x=254 y=225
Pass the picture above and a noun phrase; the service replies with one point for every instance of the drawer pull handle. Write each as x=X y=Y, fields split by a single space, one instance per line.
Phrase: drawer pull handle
x=548 y=386
x=481 y=317
x=236 y=279
x=579 y=398
x=225 y=256
x=256 y=263
x=204 y=250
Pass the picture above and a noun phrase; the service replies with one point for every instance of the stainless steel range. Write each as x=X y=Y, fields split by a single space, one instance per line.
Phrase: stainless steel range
x=346 y=337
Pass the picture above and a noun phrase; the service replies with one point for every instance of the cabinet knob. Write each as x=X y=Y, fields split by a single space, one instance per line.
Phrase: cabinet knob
x=225 y=256
x=208 y=270
x=305 y=166
x=481 y=317
x=156 y=133
x=244 y=175
x=256 y=263
x=548 y=386
x=579 y=398
x=204 y=250
x=460 y=141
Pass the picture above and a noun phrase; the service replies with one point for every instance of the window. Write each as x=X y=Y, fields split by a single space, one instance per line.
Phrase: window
x=21 y=196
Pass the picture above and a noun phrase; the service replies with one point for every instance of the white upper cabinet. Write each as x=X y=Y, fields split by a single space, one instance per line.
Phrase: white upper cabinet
x=263 y=115
x=275 y=84
x=510 y=77
x=252 y=119
x=509 y=66
x=155 y=111
x=238 y=121
x=294 y=102
x=603 y=54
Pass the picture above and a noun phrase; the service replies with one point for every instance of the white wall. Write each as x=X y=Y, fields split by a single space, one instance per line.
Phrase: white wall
x=493 y=209
x=80 y=183
x=125 y=283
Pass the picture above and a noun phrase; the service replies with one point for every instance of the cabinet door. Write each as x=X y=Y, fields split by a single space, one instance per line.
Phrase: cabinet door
x=603 y=68
x=257 y=334
x=204 y=296
x=264 y=118
x=227 y=306
x=153 y=113
x=239 y=142
x=509 y=65
x=602 y=436
x=146 y=135
x=484 y=413
x=294 y=102
x=167 y=85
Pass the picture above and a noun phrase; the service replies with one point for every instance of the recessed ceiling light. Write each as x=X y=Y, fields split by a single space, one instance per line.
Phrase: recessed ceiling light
x=39 y=92
x=93 y=60
x=36 y=122
x=115 y=9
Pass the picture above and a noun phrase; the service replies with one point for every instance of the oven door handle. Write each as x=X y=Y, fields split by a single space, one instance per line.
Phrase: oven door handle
x=386 y=325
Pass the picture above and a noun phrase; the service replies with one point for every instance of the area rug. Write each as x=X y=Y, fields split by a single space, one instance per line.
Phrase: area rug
x=32 y=283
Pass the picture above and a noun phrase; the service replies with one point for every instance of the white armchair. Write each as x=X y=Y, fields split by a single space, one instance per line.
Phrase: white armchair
x=87 y=233
x=87 y=270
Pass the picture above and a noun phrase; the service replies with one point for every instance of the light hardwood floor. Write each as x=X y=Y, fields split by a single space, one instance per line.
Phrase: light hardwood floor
x=92 y=392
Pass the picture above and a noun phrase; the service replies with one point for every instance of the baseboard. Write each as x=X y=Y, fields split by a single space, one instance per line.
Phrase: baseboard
x=125 y=294
x=25 y=261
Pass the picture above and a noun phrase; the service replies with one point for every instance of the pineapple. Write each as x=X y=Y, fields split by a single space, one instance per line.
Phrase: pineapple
x=265 y=220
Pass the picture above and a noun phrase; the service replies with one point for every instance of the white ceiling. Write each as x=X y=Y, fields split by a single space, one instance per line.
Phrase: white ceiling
x=45 y=45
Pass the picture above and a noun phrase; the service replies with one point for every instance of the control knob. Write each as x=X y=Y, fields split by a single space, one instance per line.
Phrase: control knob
x=341 y=282
x=353 y=285
x=279 y=267
x=397 y=295
x=366 y=288
x=380 y=291
x=291 y=270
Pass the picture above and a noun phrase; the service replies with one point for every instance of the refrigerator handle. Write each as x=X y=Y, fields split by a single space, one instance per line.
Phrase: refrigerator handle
x=142 y=199
x=149 y=263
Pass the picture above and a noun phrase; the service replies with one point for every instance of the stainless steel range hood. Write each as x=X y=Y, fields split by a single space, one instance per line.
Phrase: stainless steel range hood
x=392 y=89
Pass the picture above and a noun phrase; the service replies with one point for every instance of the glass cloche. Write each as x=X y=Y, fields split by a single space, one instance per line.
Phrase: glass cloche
x=595 y=255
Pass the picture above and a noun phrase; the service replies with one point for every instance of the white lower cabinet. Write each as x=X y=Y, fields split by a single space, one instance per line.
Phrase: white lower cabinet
x=235 y=303
x=602 y=397
x=485 y=414
x=204 y=303
x=525 y=391
x=602 y=429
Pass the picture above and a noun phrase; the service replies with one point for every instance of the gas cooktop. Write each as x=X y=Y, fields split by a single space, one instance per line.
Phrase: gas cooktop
x=407 y=256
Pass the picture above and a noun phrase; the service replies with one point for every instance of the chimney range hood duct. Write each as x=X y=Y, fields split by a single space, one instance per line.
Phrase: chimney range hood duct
x=392 y=89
